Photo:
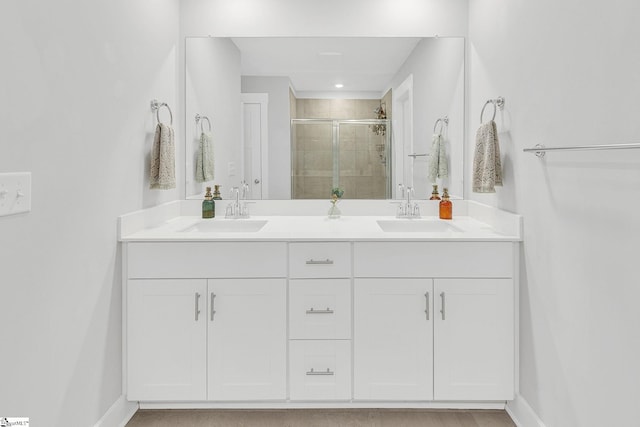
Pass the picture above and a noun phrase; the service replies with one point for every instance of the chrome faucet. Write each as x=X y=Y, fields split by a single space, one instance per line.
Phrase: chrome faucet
x=407 y=208
x=245 y=190
x=236 y=209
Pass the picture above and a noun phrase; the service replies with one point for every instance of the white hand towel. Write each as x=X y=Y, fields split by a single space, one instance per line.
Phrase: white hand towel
x=204 y=162
x=487 y=167
x=163 y=159
x=438 y=167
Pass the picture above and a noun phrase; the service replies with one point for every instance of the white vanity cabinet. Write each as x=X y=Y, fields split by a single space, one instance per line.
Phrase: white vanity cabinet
x=320 y=321
x=218 y=333
x=434 y=321
x=355 y=323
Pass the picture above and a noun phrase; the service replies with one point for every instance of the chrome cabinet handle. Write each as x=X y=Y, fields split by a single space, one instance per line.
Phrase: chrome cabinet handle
x=426 y=310
x=312 y=311
x=320 y=262
x=213 y=311
x=327 y=372
x=442 y=296
x=197 y=305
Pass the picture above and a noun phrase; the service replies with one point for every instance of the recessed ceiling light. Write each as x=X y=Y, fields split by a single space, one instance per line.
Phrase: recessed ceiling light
x=339 y=85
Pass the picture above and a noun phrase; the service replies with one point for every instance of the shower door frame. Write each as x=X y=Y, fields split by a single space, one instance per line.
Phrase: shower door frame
x=335 y=144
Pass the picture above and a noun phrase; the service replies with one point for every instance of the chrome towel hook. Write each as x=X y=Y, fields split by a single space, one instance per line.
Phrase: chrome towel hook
x=497 y=103
x=200 y=119
x=156 y=105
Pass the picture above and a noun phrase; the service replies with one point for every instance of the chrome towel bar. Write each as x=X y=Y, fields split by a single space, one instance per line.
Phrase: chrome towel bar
x=540 y=150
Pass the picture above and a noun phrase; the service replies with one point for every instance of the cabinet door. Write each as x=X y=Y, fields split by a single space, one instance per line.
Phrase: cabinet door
x=247 y=339
x=166 y=340
x=393 y=339
x=474 y=339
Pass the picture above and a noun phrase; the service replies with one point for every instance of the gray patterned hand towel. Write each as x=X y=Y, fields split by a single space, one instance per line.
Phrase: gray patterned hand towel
x=204 y=162
x=163 y=159
x=487 y=168
x=438 y=167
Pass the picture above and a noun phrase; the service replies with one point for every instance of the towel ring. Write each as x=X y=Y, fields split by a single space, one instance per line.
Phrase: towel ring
x=443 y=122
x=155 y=106
x=497 y=103
x=200 y=119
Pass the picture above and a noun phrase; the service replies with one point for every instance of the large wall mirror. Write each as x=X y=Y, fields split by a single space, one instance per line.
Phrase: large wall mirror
x=294 y=117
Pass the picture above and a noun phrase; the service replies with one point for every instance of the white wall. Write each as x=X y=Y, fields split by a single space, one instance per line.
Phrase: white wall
x=283 y=18
x=213 y=90
x=437 y=66
x=75 y=84
x=570 y=73
x=279 y=130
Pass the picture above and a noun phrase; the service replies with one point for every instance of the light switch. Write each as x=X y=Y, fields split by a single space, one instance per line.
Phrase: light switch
x=15 y=193
x=231 y=166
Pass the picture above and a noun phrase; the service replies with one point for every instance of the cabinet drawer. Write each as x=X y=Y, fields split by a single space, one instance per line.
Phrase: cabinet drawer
x=206 y=259
x=320 y=370
x=320 y=309
x=319 y=260
x=433 y=259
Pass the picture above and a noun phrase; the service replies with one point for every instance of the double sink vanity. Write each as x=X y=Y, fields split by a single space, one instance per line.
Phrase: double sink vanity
x=289 y=308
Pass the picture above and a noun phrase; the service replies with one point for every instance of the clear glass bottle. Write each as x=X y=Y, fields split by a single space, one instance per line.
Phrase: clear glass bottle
x=334 y=211
x=434 y=193
x=446 y=207
x=208 y=205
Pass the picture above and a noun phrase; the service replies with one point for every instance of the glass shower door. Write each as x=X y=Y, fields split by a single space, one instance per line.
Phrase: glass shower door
x=350 y=154
x=312 y=155
x=363 y=151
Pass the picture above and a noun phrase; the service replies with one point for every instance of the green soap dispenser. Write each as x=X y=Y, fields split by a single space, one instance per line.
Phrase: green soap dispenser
x=208 y=205
x=216 y=192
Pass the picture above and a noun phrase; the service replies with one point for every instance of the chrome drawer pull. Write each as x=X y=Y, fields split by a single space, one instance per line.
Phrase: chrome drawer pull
x=327 y=372
x=197 y=305
x=442 y=310
x=320 y=262
x=213 y=311
x=327 y=311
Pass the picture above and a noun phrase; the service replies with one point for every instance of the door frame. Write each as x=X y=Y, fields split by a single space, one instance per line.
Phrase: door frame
x=402 y=132
x=263 y=100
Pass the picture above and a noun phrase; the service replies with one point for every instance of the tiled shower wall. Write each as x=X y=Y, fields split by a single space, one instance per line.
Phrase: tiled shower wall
x=362 y=173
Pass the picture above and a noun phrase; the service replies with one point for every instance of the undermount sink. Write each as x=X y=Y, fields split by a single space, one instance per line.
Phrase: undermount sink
x=416 y=225
x=226 y=226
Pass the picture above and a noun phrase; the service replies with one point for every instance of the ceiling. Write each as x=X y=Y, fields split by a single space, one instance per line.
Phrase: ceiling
x=361 y=64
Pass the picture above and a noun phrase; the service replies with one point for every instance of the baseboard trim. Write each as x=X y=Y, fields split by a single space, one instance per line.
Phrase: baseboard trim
x=323 y=405
x=522 y=414
x=118 y=414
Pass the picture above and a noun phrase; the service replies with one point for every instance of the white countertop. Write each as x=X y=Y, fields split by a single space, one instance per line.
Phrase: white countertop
x=319 y=228
x=298 y=220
